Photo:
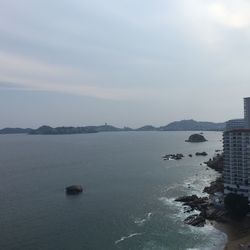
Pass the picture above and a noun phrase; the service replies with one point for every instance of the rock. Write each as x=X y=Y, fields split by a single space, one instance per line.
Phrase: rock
x=190 y=155
x=196 y=138
x=187 y=198
x=196 y=220
x=74 y=189
x=173 y=156
x=216 y=214
x=218 y=150
x=194 y=202
x=216 y=163
x=215 y=187
x=201 y=153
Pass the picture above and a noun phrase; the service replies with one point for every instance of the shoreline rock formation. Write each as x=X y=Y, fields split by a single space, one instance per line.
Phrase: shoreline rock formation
x=205 y=207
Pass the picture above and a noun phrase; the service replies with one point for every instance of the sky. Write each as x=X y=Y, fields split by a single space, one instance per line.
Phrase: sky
x=126 y=63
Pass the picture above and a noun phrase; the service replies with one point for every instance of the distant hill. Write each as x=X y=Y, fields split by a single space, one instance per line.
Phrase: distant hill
x=15 y=130
x=184 y=125
x=47 y=130
x=192 y=125
x=147 y=128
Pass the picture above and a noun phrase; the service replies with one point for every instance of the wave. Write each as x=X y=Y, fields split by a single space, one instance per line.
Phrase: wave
x=127 y=237
x=192 y=185
x=141 y=222
x=210 y=237
x=178 y=210
x=216 y=240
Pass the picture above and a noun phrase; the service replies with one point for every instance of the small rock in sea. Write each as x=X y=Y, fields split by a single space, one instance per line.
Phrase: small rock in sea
x=173 y=157
x=190 y=155
x=74 y=189
x=201 y=153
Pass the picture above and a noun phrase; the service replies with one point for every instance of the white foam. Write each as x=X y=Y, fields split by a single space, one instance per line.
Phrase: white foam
x=170 y=202
x=127 y=237
x=174 y=186
x=141 y=222
x=218 y=238
x=196 y=184
x=149 y=216
x=178 y=210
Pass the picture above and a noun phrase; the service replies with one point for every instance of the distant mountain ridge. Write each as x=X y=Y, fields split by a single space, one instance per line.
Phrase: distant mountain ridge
x=15 y=131
x=183 y=125
x=192 y=125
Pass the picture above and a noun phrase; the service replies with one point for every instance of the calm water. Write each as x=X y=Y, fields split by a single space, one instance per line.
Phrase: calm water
x=129 y=191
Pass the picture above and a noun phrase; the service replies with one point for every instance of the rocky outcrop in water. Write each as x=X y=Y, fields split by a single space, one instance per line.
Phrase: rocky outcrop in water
x=196 y=138
x=206 y=208
x=194 y=202
x=74 y=189
x=173 y=156
x=201 y=153
x=195 y=220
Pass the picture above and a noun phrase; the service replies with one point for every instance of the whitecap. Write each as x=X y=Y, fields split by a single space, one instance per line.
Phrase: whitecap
x=141 y=222
x=149 y=215
x=127 y=237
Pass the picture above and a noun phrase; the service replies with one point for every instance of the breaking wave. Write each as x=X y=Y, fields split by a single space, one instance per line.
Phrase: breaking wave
x=127 y=237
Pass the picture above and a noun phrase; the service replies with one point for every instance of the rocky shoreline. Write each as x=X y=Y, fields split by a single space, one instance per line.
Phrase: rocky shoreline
x=237 y=231
x=208 y=208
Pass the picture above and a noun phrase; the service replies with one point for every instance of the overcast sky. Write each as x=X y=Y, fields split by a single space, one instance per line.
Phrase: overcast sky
x=127 y=62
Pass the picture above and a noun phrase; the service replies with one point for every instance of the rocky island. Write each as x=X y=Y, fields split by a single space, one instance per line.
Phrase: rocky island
x=73 y=190
x=196 y=138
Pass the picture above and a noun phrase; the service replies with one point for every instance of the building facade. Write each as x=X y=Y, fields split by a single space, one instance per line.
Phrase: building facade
x=247 y=112
x=237 y=162
x=235 y=124
x=236 y=143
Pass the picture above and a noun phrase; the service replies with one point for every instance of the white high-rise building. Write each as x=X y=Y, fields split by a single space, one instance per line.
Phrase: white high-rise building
x=235 y=124
x=236 y=142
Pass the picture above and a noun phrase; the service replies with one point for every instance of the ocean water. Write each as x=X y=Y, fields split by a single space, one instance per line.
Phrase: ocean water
x=129 y=191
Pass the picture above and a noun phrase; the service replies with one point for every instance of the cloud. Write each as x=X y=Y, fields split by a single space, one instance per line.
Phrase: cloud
x=21 y=73
x=232 y=14
x=118 y=50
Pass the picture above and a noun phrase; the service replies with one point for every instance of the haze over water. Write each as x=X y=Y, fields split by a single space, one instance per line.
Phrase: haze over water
x=128 y=191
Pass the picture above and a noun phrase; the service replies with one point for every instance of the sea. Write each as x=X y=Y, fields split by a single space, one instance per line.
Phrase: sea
x=128 y=198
